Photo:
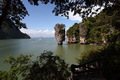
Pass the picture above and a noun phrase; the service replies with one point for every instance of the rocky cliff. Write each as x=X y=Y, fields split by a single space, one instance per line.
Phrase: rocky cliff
x=60 y=33
x=73 y=34
x=77 y=33
x=82 y=33
x=95 y=30
x=9 y=31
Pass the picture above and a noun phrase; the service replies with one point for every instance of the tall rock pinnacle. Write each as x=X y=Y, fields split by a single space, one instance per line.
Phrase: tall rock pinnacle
x=60 y=33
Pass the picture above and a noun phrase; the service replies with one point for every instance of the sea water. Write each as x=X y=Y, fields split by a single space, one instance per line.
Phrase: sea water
x=35 y=46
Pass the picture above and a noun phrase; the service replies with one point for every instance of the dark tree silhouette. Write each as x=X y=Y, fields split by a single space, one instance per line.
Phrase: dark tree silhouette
x=13 y=10
x=46 y=67
x=82 y=7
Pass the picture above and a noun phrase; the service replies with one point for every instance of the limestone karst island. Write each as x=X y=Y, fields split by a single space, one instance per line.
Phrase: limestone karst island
x=63 y=40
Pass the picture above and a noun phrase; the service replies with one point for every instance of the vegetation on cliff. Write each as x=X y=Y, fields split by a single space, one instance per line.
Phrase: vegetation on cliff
x=73 y=34
x=60 y=33
x=74 y=30
x=105 y=24
x=109 y=58
x=103 y=28
x=98 y=29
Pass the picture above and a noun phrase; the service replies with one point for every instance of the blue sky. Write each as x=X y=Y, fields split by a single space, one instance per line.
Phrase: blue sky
x=41 y=21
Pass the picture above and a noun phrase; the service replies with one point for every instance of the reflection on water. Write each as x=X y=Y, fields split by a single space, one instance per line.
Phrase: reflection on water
x=14 y=47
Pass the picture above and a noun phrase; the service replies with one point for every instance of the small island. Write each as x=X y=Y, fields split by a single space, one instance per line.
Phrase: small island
x=93 y=31
x=60 y=33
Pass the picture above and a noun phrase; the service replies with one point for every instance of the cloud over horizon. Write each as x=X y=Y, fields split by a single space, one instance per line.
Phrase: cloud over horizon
x=38 y=33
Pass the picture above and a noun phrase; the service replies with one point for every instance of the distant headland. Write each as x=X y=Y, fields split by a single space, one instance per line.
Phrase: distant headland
x=9 y=31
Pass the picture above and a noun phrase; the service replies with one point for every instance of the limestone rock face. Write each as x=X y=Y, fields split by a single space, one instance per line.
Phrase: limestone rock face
x=9 y=31
x=60 y=33
x=83 y=33
x=72 y=39
x=77 y=34
x=73 y=34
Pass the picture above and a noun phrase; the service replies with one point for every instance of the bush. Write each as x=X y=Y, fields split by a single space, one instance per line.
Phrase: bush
x=46 y=67
x=110 y=57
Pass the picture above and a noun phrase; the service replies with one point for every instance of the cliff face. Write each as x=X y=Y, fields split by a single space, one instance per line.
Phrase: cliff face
x=83 y=33
x=100 y=30
x=77 y=34
x=73 y=34
x=91 y=31
x=72 y=39
x=60 y=33
x=9 y=31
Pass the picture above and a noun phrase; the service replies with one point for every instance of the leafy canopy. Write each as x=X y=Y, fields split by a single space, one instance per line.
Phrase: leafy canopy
x=13 y=10
x=82 y=7
x=45 y=67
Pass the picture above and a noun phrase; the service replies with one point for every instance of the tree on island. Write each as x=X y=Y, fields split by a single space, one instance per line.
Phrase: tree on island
x=60 y=33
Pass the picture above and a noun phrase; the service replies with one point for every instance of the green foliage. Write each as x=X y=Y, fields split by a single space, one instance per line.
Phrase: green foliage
x=110 y=58
x=18 y=66
x=84 y=8
x=102 y=25
x=73 y=31
x=98 y=29
x=61 y=28
x=16 y=11
x=89 y=55
x=13 y=10
x=46 y=67
x=4 y=75
x=90 y=22
x=116 y=19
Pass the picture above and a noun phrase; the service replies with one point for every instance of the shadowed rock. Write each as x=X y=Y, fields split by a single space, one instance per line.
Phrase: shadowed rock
x=60 y=33
x=83 y=33
x=9 y=31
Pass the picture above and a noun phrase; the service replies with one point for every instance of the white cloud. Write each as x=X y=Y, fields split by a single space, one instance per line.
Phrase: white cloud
x=75 y=17
x=96 y=7
x=38 y=33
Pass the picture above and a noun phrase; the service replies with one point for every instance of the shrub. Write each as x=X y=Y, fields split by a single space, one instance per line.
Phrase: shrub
x=46 y=67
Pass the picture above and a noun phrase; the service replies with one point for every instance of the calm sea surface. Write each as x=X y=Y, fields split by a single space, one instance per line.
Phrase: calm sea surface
x=14 y=47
